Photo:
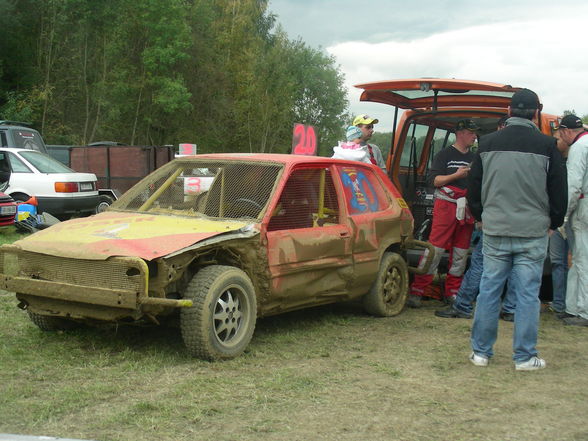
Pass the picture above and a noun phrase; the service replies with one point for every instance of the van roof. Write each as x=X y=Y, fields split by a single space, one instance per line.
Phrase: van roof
x=5 y=122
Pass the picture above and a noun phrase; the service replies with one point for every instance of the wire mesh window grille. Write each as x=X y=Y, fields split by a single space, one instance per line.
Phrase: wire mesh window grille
x=362 y=191
x=308 y=199
x=231 y=189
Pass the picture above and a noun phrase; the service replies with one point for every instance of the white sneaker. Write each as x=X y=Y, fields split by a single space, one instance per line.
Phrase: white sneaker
x=478 y=360
x=532 y=364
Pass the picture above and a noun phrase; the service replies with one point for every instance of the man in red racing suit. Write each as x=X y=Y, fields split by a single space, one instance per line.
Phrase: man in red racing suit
x=452 y=223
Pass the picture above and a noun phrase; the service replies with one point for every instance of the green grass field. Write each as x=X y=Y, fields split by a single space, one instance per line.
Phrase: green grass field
x=328 y=373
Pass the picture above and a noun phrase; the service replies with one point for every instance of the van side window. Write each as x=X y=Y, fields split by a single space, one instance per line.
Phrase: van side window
x=3 y=140
x=413 y=145
x=441 y=138
x=17 y=165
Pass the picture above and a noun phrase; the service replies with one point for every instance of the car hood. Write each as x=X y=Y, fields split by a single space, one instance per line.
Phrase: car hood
x=130 y=234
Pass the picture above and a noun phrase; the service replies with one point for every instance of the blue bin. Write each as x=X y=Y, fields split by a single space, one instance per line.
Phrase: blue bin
x=23 y=211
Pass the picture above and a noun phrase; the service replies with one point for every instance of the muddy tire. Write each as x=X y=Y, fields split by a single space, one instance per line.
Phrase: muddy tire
x=387 y=295
x=221 y=321
x=48 y=323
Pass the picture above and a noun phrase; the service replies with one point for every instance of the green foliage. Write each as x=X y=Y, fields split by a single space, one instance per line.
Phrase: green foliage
x=215 y=73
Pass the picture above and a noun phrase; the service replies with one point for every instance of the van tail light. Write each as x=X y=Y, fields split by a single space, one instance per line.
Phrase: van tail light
x=66 y=187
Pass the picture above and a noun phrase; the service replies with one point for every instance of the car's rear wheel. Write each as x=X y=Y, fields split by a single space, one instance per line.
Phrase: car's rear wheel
x=221 y=321
x=387 y=295
x=104 y=203
x=48 y=323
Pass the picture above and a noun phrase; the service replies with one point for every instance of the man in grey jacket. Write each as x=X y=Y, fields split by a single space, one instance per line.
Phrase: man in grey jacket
x=517 y=188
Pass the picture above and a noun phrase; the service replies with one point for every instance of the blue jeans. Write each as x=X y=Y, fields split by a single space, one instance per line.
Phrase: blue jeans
x=521 y=259
x=470 y=285
x=558 y=254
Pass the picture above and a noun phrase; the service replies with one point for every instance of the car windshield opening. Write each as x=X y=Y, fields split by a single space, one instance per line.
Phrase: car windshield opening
x=231 y=189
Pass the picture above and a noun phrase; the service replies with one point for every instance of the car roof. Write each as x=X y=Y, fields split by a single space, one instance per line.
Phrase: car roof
x=16 y=125
x=286 y=159
x=19 y=149
x=422 y=93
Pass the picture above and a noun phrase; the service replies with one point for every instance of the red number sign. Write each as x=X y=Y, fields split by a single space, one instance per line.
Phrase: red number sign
x=187 y=149
x=192 y=185
x=304 y=140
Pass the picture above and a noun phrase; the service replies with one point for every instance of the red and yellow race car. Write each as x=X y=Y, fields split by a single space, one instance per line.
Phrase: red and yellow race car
x=265 y=235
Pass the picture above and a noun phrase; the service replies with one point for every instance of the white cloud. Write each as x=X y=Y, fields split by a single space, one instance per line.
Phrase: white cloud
x=539 y=54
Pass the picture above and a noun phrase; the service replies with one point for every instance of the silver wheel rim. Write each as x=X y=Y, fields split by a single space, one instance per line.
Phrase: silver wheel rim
x=392 y=285
x=102 y=206
x=230 y=316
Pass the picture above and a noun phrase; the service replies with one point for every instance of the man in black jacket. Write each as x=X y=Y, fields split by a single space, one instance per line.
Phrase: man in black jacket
x=517 y=188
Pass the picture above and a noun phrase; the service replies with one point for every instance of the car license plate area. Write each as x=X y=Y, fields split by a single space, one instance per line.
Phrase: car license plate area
x=86 y=186
x=7 y=210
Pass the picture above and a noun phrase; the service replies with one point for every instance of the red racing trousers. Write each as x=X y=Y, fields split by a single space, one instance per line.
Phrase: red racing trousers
x=447 y=233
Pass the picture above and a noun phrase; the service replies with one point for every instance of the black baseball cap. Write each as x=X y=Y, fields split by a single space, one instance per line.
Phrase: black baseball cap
x=570 y=122
x=525 y=99
x=466 y=124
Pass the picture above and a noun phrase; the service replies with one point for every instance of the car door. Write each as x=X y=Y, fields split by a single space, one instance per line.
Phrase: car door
x=308 y=243
x=376 y=220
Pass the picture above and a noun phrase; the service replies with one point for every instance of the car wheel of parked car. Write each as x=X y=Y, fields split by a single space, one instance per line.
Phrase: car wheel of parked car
x=221 y=321
x=48 y=323
x=389 y=291
x=104 y=203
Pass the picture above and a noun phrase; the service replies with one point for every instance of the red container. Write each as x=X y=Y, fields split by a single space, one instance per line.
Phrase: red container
x=119 y=167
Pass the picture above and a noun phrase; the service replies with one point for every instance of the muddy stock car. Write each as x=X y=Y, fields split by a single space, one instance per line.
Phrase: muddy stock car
x=267 y=234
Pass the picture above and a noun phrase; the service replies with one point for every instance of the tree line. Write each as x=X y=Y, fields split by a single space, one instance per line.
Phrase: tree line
x=218 y=73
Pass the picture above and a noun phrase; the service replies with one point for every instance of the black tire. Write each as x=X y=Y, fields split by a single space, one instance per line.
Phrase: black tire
x=221 y=321
x=388 y=294
x=104 y=203
x=48 y=323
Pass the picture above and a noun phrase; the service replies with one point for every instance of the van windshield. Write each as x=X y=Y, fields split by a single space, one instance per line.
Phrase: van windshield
x=45 y=163
x=28 y=139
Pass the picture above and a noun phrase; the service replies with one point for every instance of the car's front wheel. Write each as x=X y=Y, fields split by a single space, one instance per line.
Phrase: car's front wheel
x=221 y=321
x=387 y=295
x=48 y=323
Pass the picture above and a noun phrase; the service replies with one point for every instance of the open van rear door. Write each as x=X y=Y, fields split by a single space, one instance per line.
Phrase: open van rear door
x=433 y=93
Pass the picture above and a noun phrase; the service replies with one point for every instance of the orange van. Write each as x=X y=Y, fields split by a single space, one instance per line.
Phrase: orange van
x=431 y=108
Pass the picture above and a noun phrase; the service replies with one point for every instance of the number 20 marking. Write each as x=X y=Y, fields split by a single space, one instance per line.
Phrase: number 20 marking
x=304 y=140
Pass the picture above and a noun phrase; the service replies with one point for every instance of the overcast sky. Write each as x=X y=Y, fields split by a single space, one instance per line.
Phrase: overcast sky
x=536 y=44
